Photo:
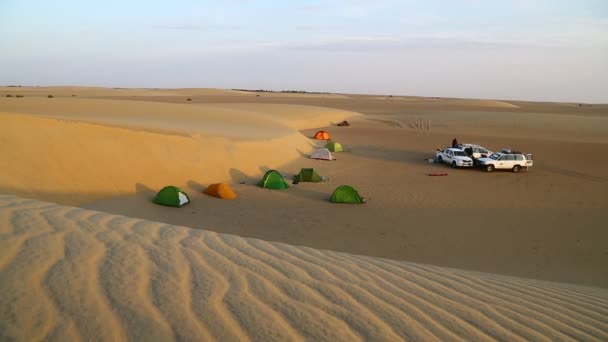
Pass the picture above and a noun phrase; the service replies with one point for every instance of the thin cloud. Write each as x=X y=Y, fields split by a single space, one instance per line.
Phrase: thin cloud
x=197 y=27
x=316 y=28
x=453 y=40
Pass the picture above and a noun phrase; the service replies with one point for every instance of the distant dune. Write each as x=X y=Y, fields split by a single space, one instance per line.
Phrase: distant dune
x=75 y=274
x=448 y=101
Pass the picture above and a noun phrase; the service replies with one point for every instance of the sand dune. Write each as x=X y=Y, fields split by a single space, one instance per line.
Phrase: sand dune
x=71 y=273
x=480 y=103
x=74 y=274
x=81 y=150
x=121 y=152
x=236 y=120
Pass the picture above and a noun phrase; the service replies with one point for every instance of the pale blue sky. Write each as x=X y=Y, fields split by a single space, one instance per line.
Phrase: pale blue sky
x=521 y=49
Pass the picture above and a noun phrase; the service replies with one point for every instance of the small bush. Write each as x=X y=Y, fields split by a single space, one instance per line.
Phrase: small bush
x=19 y=96
x=9 y=95
x=50 y=96
x=188 y=99
x=73 y=95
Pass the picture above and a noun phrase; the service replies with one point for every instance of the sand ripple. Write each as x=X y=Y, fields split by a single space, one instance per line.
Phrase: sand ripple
x=73 y=274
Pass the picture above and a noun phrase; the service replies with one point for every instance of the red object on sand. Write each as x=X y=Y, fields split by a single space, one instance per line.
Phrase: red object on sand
x=438 y=174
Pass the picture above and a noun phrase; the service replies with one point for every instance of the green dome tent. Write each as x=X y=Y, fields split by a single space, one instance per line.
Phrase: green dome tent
x=334 y=146
x=346 y=194
x=273 y=180
x=308 y=175
x=172 y=196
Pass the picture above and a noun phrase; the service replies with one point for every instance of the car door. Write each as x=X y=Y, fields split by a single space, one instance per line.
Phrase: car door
x=449 y=156
x=529 y=160
x=472 y=152
x=503 y=162
x=511 y=161
x=484 y=153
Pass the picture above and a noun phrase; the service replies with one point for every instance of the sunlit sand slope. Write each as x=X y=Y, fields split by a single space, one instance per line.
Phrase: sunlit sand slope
x=73 y=150
x=74 y=274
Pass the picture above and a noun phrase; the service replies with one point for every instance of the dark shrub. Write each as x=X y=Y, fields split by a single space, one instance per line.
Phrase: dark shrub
x=50 y=96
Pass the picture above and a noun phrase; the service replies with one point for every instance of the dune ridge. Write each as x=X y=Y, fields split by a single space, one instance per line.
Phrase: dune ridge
x=74 y=151
x=71 y=273
x=234 y=120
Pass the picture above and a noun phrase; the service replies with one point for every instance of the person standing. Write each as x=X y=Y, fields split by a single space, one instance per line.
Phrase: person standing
x=454 y=143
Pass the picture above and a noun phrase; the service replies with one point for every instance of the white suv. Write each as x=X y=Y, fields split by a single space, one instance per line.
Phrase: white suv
x=475 y=151
x=506 y=160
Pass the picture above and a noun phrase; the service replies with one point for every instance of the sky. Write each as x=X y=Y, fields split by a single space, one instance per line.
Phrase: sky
x=541 y=50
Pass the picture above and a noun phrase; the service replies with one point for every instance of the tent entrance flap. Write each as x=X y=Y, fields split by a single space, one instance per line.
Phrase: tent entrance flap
x=182 y=199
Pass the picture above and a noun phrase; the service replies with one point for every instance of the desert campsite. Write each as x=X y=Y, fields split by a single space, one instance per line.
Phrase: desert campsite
x=194 y=196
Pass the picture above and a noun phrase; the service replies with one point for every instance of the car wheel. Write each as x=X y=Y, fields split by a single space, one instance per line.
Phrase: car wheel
x=490 y=168
x=454 y=164
x=440 y=159
x=516 y=168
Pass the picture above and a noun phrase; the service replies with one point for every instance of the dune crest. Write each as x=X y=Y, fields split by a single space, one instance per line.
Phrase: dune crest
x=69 y=273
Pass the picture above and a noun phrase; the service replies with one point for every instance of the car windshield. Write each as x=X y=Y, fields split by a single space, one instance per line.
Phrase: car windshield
x=460 y=153
x=495 y=156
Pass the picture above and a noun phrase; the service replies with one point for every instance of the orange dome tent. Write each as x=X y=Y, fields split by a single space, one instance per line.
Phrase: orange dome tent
x=220 y=190
x=322 y=135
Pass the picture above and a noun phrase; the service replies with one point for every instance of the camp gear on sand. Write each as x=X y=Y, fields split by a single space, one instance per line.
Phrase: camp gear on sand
x=172 y=196
x=307 y=175
x=346 y=194
x=322 y=135
x=344 y=123
x=220 y=190
x=322 y=154
x=334 y=146
x=273 y=180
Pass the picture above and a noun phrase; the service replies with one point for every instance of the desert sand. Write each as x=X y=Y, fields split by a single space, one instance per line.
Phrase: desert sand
x=471 y=256
x=75 y=274
x=132 y=143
